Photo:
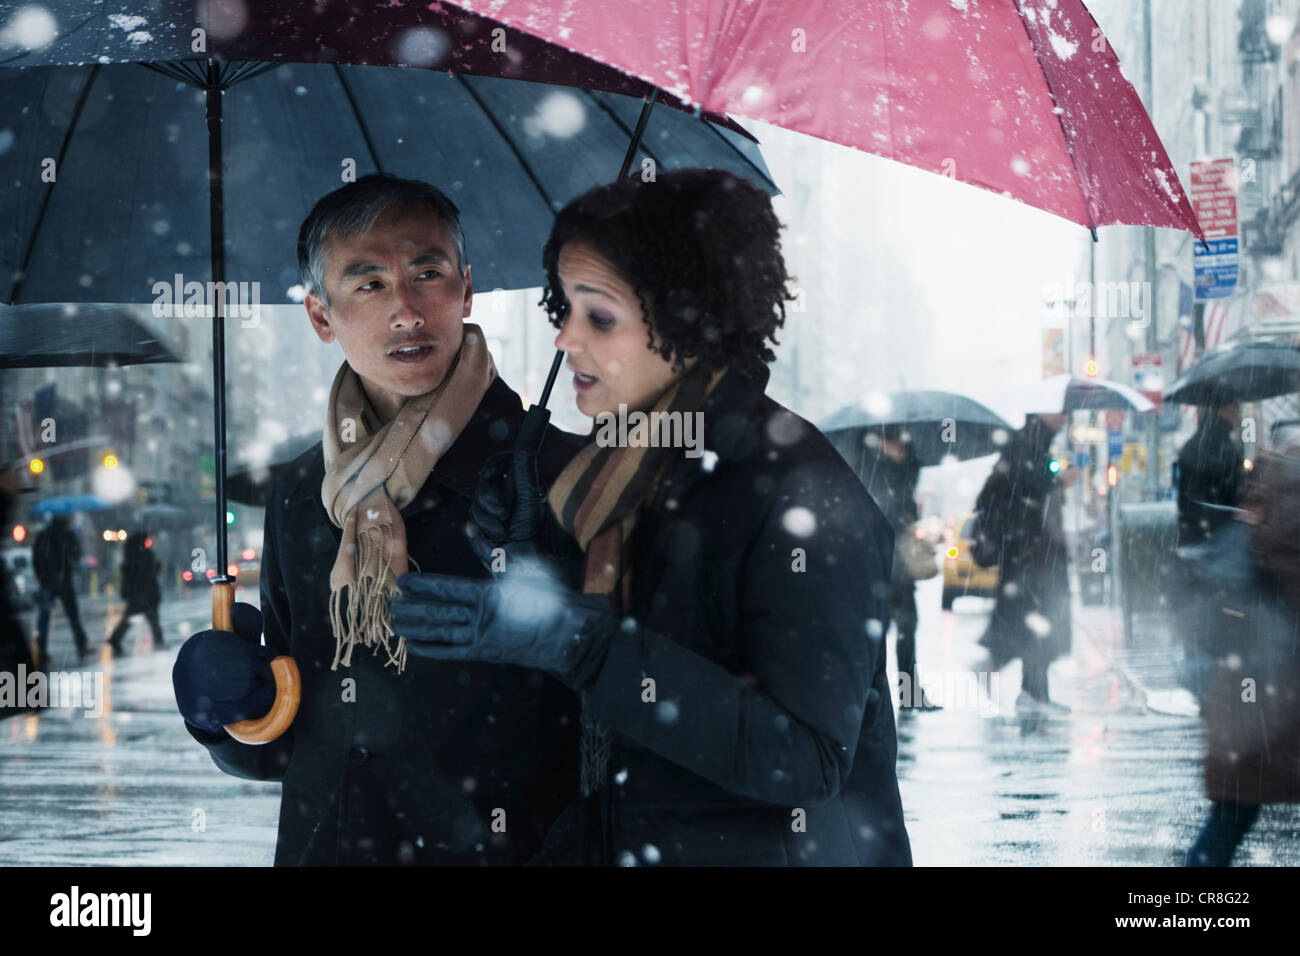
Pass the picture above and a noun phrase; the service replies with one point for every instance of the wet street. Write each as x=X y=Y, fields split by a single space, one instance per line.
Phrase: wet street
x=1114 y=782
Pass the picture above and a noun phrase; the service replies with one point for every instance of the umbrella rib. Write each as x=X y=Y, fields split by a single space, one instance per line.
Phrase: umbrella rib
x=1065 y=134
x=49 y=193
x=170 y=70
x=356 y=113
x=254 y=70
x=510 y=143
x=618 y=121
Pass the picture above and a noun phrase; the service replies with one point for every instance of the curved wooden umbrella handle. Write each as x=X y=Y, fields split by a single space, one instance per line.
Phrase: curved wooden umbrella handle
x=288 y=684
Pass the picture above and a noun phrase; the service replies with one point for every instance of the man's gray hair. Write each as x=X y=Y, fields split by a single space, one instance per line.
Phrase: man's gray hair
x=354 y=208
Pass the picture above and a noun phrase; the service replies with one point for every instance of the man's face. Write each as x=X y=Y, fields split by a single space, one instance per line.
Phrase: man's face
x=396 y=304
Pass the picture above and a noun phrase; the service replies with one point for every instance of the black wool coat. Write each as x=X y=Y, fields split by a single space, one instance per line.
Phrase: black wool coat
x=760 y=575
x=448 y=763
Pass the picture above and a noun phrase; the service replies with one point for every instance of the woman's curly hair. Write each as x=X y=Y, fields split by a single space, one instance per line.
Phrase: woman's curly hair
x=702 y=249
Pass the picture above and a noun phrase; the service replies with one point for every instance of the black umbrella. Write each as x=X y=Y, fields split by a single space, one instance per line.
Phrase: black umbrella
x=77 y=334
x=938 y=424
x=1244 y=372
x=71 y=104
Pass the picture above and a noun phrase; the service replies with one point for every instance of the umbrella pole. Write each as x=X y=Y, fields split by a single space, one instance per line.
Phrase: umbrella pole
x=284 y=670
x=630 y=155
x=224 y=593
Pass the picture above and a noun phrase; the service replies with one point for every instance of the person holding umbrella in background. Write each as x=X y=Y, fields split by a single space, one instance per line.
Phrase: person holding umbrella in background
x=728 y=637
x=1210 y=472
x=1019 y=527
x=891 y=470
x=139 y=590
x=391 y=759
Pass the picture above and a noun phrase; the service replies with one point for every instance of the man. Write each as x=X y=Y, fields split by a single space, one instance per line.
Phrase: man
x=1209 y=473
x=390 y=760
x=55 y=554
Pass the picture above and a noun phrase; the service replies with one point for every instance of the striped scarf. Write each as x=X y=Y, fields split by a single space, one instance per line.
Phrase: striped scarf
x=597 y=499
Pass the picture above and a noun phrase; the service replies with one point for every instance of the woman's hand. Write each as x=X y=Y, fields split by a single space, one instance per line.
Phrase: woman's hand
x=508 y=508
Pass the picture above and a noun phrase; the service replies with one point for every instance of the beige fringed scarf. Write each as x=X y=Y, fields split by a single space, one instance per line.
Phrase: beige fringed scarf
x=372 y=471
x=597 y=499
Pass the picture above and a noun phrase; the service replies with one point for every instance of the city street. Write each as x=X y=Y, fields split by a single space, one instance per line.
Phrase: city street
x=1115 y=782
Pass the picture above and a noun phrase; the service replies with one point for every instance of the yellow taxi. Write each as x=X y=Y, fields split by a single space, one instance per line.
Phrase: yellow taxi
x=961 y=575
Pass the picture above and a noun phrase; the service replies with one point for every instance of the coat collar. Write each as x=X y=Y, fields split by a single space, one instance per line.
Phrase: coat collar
x=490 y=430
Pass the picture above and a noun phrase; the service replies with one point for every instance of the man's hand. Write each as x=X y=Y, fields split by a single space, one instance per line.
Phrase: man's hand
x=221 y=678
x=526 y=620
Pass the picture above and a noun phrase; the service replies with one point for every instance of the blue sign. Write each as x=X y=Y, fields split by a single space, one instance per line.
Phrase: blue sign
x=1215 y=268
x=1114 y=445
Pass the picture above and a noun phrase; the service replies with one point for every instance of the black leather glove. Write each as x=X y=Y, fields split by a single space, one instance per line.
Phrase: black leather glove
x=508 y=508
x=528 y=620
x=221 y=678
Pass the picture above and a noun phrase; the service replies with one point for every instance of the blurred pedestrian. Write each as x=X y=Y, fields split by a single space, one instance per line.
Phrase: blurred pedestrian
x=139 y=589
x=14 y=650
x=1019 y=509
x=1209 y=473
x=1249 y=581
x=55 y=556
x=890 y=470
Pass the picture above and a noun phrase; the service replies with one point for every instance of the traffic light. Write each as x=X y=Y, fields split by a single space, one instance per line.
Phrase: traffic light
x=230 y=517
x=1090 y=367
x=1054 y=466
x=36 y=466
x=1112 y=476
x=110 y=461
x=20 y=533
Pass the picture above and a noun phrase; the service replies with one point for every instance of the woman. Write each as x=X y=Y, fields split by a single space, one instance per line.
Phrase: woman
x=727 y=639
x=1020 y=509
x=1248 y=598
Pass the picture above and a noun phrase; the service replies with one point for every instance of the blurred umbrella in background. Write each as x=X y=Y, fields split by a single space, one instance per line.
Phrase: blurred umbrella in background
x=77 y=334
x=937 y=424
x=1244 y=372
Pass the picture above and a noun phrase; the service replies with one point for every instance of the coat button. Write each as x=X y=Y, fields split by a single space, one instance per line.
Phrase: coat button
x=360 y=754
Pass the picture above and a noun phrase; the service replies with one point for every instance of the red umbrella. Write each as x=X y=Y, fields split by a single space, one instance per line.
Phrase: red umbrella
x=1022 y=97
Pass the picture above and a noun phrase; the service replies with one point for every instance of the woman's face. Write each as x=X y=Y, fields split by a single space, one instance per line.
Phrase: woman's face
x=605 y=336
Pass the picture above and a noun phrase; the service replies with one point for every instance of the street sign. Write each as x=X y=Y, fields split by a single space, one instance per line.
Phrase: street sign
x=1214 y=199
x=1114 y=445
x=1115 y=419
x=1053 y=352
x=1148 y=375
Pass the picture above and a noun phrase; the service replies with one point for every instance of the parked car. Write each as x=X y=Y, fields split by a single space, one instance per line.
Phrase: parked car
x=961 y=575
x=21 y=577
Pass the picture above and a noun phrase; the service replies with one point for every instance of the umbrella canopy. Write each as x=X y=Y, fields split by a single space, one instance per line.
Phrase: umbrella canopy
x=1068 y=393
x=1024 y=98
x=938 y=424
x=1244 y=372
x=68 y=504
x=77 y=334
x=130 y=202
